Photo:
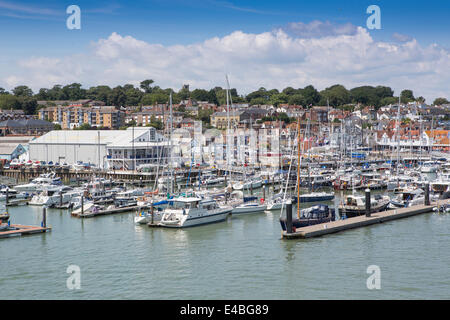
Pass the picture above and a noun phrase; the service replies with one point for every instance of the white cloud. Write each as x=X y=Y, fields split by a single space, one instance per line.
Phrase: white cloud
x=271 y=59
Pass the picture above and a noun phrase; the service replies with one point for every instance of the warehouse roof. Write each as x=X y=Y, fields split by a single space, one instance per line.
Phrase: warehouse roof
x=107 y=137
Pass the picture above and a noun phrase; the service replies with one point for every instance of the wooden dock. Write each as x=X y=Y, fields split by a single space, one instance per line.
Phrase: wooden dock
x=360 y=221
x=108 y=212
x=16 y=230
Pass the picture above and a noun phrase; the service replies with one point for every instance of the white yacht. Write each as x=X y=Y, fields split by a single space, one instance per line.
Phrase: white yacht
x=193 y=211
x=40 y=183
x=429 y=167
x=88 y=207
x=55 y=195
x=252 y=206
x=410 y=197
x=13 y=195
x=245 y=185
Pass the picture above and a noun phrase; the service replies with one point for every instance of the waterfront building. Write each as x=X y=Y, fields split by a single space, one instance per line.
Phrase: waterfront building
x=10 y=151
x=107 y=149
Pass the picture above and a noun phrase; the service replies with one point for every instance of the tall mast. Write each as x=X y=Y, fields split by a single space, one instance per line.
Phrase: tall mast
x=398 y=138
x=170 y=144
x=228 y=126
x=298 y=168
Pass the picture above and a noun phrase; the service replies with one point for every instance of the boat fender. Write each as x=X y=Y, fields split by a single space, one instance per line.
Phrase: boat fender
x=261 y=200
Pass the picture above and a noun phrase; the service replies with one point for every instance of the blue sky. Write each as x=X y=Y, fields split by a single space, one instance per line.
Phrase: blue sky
x=38 y=29
x=40 y=26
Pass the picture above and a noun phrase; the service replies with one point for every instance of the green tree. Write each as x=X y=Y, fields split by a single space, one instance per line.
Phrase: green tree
x=146 y=85
x=22 y=91
x=383 y=92
x=278 y=98
x=407 y=96
x=8 y=101
x=388 y=100
x=133 y=95
x=336 y=95
x=297 y=99
x=311 y=95
x=258 y=101
x=205 y=115
x=440 y=101
x=117 y=97
x=28 y=104
x=420 y=99
x=200 y=95
x=99 y=93
x=365 y=95
x=73 y=91
x=56 y=93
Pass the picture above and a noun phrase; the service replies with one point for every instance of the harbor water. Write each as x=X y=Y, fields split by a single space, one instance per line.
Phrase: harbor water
x=242 y=258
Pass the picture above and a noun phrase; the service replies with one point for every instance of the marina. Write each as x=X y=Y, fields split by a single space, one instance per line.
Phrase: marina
x=225 y=220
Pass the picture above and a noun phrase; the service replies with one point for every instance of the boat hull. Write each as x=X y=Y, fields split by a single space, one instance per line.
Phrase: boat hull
x=355 y=212
x=299 y=223
x=197 y=221
x=249 y=209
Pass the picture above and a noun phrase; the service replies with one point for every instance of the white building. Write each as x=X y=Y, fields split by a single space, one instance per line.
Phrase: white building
x=107 y=149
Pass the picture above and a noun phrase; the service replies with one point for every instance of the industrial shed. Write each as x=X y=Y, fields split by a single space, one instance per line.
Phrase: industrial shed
x=101 y=148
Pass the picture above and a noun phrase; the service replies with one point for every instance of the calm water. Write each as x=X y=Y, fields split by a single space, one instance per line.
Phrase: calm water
x=242 y=258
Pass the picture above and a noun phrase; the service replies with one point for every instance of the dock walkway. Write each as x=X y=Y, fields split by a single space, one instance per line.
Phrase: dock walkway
x=360 y=221
x=22 y=230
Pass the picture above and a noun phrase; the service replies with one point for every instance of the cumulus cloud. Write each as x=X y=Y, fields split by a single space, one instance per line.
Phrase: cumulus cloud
x=273 y=59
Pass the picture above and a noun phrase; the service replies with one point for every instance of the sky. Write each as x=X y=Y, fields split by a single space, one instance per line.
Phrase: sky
x=271 y=44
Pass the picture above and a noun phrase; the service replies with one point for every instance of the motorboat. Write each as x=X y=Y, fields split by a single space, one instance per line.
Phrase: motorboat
x=411 y=197
x=184 y=212
x=38 y=184
x=355 y=205
x=125 y=202
x=429 y=167
x=53 y=196
x=88 y=207
x=252 y=205
x=13 y=195
x=246 y=185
